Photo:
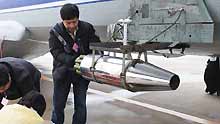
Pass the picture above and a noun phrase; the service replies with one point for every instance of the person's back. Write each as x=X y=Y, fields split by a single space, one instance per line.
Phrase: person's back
x=17 y=78
x=21 y=68
x=24 y=76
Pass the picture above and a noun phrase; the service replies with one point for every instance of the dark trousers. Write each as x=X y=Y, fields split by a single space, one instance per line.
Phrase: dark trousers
x=60 y=95
x=37 y=82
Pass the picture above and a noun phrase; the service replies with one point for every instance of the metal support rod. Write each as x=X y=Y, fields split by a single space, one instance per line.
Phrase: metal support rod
x=114 y=54
x=145 y=57
x=125 y=33
x=123 y=62
x=93 y=58
x=139 y=55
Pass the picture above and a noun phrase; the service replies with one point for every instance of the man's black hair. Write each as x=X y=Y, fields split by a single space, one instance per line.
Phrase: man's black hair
x=35 y=100
x=69 y=11
x=4 y=75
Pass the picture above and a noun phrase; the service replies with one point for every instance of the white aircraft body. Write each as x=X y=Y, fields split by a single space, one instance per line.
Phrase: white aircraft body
x=38 y=16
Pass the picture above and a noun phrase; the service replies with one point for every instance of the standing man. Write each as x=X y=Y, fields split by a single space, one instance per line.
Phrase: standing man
x=68 y=40
x=17 y=78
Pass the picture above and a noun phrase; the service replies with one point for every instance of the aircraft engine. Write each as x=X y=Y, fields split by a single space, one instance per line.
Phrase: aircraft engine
x=12 y=31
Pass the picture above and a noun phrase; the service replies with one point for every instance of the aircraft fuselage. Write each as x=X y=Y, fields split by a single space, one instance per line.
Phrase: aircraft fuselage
x=38 y=16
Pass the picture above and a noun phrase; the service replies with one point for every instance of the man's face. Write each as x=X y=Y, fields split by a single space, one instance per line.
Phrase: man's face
x=71 y=25
x=5 y=87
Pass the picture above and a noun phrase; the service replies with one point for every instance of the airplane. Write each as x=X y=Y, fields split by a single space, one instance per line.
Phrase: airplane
x=164 y=27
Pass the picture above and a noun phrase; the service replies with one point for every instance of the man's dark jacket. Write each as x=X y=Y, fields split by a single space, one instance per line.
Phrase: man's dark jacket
x=24 y=77
x=64 y=56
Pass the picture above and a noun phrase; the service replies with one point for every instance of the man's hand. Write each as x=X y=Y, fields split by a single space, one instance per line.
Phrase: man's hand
x=79 y=59
x=77 y=63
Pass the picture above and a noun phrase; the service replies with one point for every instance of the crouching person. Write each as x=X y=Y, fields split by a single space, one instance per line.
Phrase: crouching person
x=17 y=78
x=29 y=110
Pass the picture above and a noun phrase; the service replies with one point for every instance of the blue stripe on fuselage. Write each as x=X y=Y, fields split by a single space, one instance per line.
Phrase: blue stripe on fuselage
x=9 y=4
x=27 y=5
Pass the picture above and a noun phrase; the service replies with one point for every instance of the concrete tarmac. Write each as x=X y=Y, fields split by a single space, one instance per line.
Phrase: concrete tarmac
x=189 y=104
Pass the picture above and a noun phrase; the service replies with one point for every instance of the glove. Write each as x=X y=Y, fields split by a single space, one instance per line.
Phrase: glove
x=77 y=63
x=79 y=59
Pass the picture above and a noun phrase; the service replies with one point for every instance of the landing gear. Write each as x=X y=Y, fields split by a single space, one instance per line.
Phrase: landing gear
x=212 y=76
